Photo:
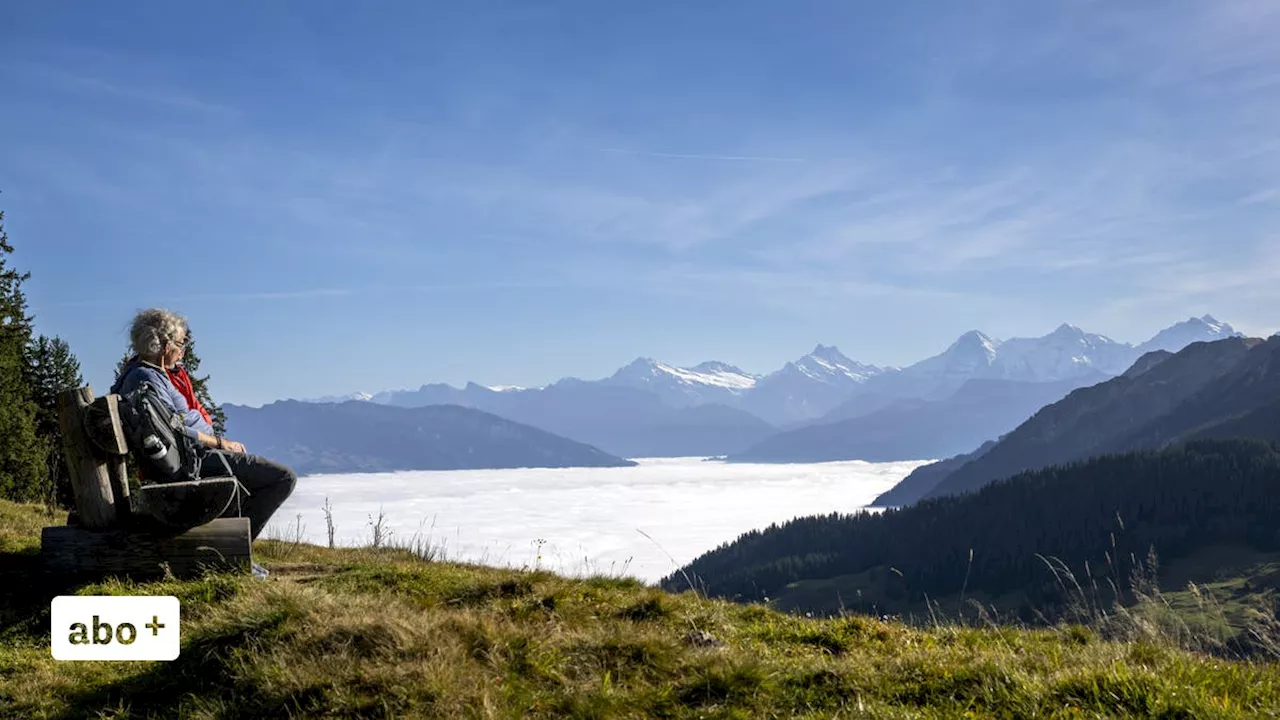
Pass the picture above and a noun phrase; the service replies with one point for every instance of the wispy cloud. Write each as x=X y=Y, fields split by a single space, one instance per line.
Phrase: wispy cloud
x=782 y=288
x=1267 y=195
x=117 y=301
x=366 y=290
x=1134 y=195
x=135 y=91
x=696 y=156
x=389 y=199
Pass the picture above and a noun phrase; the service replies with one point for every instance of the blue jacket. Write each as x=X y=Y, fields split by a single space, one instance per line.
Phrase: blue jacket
x=136 y=372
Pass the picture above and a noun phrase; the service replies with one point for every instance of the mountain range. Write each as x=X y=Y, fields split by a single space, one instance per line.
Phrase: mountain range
x=801 y=390
x=1066 y=353
x=1226 y=388
x=976 y=390
x=618 y=419
x=649 y=408
x=980 y=410
x=367 y=437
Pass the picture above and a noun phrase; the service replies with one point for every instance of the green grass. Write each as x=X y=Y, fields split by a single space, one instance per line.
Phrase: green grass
x=1213 y=600
x=383 y=633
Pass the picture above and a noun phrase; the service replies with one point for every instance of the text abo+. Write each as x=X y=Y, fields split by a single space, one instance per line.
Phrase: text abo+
x=115 y=627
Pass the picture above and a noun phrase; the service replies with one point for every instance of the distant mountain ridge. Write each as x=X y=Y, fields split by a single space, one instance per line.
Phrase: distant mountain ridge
x=920 y=412
x=362 y=396
x=621 y=420
x=367 y=437
x=1059 y=355
x=1066 y=353
x=703 y=384
x=824 y=386
x=809 y=387
x=1177 y=336
x=1122 y=414
x=913 y=429
x=1226 y=388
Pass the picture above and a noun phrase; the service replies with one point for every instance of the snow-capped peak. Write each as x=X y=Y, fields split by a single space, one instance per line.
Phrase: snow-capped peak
x=1072 y=333
x=505 y=388
x=1216 y=326
x=828 y=365
x=967 y=356
x=1066 y=352
x=715 y=366
x=1179 y=335
x=977 y=342
x=645 y=371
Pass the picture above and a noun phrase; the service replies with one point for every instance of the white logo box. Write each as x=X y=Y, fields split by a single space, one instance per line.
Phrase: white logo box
x=115 y=627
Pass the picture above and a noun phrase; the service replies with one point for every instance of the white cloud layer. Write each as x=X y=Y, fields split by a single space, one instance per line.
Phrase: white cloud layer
x=589 y=519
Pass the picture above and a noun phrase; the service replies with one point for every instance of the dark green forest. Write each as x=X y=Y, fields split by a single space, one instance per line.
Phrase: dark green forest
x=1108 y=512
x=34 y=368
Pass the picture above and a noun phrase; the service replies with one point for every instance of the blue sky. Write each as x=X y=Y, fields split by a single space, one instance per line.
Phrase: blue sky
x=371 y=196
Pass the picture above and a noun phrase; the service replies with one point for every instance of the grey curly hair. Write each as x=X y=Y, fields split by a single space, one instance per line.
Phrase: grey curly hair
x=152 y=328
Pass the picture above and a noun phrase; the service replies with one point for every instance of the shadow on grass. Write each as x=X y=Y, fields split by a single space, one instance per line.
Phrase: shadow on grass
x=205 y=676
x=25 y=594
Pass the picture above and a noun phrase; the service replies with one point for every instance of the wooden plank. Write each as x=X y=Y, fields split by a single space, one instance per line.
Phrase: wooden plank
x=223 y=544
x=104 y=427
x=187 y=504
x=119 y=470
x=90 y=479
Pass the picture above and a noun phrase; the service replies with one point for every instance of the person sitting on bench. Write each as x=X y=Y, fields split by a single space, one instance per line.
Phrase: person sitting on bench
x=159 y=340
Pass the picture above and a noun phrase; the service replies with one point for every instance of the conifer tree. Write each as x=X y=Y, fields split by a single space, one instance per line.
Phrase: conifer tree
x=200 y=386
x=51 y=369
x=23 y=455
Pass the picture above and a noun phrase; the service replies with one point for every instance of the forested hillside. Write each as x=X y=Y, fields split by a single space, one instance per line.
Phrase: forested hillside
x=1108 y=511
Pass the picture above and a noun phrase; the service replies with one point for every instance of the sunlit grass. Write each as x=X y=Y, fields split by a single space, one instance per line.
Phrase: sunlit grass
x=383 y=632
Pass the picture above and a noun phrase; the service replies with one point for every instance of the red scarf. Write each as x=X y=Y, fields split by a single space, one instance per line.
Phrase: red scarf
x=178 y=376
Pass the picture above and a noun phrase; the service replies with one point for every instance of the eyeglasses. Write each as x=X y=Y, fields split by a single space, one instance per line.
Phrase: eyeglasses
x=180 y=343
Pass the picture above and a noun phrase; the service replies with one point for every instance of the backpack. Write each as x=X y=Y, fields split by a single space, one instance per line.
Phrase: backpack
x=155 y=435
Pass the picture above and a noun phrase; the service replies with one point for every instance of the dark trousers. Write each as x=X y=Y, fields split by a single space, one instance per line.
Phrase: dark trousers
x=268 y=484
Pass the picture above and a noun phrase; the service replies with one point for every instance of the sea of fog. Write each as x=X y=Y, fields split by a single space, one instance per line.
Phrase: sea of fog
x=581 y=520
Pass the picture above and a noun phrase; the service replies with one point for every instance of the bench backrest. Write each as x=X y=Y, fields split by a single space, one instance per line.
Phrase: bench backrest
x=94 y=445
x=103 y=426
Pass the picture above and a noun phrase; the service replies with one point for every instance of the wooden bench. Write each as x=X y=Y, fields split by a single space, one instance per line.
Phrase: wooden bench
x=170 y=527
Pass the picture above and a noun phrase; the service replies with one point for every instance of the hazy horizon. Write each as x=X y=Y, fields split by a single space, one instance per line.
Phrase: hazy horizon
x=334 y=393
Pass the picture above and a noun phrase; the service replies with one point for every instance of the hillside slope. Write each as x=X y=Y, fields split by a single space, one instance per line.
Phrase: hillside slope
x=385 y=633
x=925 y=478
x=1109 y=511
x=1133 y=411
